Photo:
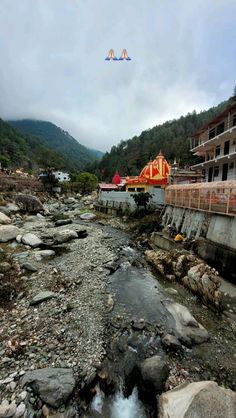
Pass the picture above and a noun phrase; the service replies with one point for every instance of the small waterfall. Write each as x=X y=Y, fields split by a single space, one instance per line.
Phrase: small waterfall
x=130 y=407
x=118 y=406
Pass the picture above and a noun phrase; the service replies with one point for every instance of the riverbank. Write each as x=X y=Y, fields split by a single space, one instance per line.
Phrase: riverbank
x=89 y=321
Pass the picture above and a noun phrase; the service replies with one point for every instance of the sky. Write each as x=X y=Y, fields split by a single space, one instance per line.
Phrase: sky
x=52 y=63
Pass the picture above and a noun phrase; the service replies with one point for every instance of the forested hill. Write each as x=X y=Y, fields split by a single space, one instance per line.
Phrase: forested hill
x=172 y=138
x=58 y=140
x=18 y=150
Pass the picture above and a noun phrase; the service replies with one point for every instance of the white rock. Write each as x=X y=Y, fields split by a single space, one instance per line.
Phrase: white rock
x=23 y=395
x=13 y=208
x=87 y=216
x=20 y=410
x=4 y=219
x=19 y=238
x=7 y=410
x=8 y=232
x=39 y=255
x=32 y=240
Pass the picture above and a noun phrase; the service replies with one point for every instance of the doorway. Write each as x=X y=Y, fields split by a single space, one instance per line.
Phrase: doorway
x=225 y=172
x=210 y=174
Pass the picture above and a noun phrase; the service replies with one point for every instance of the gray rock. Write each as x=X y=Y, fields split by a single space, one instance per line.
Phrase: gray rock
x=13 y=208
x=20 y=410
x=187 y=329
x=29 y=203
x=52 y=385
x=4 y=267
x=62 y=222
x=171 y=291
x=5 y=210
x=198 y=400
x=19 y=238
x=7 y=410
x=42 y=296
x=170 y=341
x=32 y=240
x=4 y=219
x=29 y=267
x=39 y=255
x=8 y=232
x=64 y=236
x=153 y=373
x=87 y=216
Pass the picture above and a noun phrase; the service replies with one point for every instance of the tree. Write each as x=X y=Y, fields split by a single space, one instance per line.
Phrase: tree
x=141 y=199
x=4 y=161
x=86 y=182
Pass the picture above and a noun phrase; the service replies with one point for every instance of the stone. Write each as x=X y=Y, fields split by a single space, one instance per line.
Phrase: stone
x=153 y=373
x=7 y=409
x=29 y=267
x=29 y=203
x=171 y=342
x=186 y=328
x=5 y=210
x=61 y=222
x=64 y=236
x=39 y=255
x=171 y=291
x=19 y=238
x=87 y=216
x=20 y=410
x=32 y=240
x=53 y=385
x=4 y=219
x=198 y=399
x=4 y=267
x=13 y=208
x=8 y=232
x=41 y=297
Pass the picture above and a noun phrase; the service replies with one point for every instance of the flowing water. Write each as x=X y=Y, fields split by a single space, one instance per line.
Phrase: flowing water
x=117 y=406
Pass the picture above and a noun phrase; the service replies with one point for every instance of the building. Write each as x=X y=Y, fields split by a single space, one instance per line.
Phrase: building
x=61 y=176
x=154 y=175
x=215 y=143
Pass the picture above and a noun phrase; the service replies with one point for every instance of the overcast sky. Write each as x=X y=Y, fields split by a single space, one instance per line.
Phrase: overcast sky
x=52 y=63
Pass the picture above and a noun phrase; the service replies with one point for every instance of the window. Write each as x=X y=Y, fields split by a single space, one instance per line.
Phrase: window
x=217 y=151
x=131 y=189
x=231 y=166
x=220 y=128
x=226 y=147
x=216 y=171
x=212 y=133
x=234 y=120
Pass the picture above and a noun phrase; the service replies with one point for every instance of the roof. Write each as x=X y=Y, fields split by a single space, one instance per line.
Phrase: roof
x=215 y=120
x=107 y=186
x=211 y=185
x=154 y=172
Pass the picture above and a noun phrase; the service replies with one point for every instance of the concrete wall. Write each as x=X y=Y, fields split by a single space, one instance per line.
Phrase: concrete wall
x=215 y=236
x=126 y=201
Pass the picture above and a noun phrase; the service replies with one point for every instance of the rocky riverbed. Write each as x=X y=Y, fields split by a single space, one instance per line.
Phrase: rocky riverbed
x=81 y=312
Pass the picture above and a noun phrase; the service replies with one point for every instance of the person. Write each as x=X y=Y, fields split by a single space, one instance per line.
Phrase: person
x=179 y=238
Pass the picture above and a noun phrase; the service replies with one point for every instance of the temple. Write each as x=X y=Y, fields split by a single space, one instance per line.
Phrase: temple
x=154 y=174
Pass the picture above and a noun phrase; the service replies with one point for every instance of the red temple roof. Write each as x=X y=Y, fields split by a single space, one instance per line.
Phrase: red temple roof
x=156 y=172
x=116 y=178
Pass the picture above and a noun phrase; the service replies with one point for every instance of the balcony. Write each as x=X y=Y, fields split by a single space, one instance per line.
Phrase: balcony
x=210 y=142
x=219 y=159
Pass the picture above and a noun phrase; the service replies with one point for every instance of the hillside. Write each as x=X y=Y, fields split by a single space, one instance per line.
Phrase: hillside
x=58 y=140
x=172 y=137
x=18 y=150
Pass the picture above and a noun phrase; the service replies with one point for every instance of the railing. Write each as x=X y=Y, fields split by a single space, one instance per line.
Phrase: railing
x=218 y=197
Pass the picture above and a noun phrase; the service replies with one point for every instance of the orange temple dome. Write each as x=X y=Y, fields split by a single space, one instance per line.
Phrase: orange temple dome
x=156 y=172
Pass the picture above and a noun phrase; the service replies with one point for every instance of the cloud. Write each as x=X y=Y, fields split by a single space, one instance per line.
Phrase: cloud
x=53 y=68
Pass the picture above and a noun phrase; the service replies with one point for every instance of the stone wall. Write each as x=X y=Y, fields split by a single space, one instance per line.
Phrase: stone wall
x=124 y=200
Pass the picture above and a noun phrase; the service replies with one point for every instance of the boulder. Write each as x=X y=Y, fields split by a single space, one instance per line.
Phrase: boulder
x=13 y=208
x=4 y=267
x=39 y=255
x=8 y=232
x=41 y=297
x=4 y=219
x=198 y=400
x=171 y=342
x=29 y=267
x=32 y=240
x=61 y=222
x=87 y=216
x=186 y=328
x=64 y=236
x=29 y=203
x=153 y=373
x=52 y=385
x=5 y=210
x=7 y=409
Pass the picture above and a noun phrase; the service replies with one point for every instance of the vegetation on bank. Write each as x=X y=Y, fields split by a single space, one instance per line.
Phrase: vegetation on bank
x=172 y=137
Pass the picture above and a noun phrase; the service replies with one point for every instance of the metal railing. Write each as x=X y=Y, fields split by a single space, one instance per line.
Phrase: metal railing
x=218 y=197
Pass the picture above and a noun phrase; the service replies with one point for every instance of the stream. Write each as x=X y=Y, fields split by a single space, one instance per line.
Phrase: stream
x=143 y=312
